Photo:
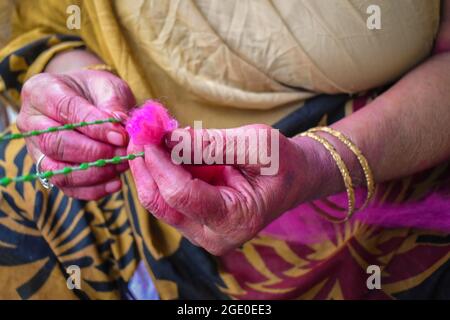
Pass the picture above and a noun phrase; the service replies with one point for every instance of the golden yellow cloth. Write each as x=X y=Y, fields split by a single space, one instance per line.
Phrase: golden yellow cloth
x=6 y=7
x=234 y=62
x=227 y=63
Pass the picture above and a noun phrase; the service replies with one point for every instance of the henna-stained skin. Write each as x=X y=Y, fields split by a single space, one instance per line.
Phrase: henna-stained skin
x=65 y=94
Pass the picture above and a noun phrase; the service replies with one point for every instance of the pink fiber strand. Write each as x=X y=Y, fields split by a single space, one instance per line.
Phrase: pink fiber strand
x=149 y=123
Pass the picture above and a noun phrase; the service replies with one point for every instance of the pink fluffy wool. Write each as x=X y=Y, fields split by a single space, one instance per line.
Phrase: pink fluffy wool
x=149 y=123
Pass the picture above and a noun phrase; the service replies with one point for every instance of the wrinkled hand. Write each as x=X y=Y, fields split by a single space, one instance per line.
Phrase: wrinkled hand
x=224 y=216
x=57 y=99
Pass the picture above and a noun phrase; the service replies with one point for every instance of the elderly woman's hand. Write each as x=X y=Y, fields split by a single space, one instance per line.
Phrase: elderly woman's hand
x=86 y=95
x=223 y=216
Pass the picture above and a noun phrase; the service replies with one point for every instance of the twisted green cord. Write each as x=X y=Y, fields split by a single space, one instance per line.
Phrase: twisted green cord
x=67 y=170
x=70 y=126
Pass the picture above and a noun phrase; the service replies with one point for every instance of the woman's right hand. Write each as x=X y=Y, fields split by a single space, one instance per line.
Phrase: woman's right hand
x=86 y=95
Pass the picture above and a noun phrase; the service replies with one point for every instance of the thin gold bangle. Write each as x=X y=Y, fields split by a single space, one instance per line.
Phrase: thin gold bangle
x=344 y=173
x=100 y=67
x=361 y=158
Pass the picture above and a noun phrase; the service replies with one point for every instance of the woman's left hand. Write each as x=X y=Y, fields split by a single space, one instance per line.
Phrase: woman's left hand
x=222 y=217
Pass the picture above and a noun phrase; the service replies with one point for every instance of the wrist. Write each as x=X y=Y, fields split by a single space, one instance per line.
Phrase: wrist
x=321 y=176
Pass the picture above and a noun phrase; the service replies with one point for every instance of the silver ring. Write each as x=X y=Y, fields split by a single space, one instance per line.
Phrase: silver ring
x=44 y=181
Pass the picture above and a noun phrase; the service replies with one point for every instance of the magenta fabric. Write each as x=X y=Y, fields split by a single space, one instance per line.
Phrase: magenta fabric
x=303 y=224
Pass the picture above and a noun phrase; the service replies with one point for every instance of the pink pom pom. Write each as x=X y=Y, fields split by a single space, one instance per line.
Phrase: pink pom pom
x=150 y=123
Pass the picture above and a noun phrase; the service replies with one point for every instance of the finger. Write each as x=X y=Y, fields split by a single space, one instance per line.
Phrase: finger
x=238 y=146
x=111 y=93
x=93 y=192
x=69 y=146
x=148 y=192
x=150 y=198
x=193 y=197
x=51 y=95
x=91 y=176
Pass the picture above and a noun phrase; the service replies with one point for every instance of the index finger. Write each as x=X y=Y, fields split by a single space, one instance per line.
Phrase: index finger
x=51 y=96
x=195 y=198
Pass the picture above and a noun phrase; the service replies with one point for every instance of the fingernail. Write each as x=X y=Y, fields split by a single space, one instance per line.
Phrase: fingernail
x=113 y=186
x=115 y=138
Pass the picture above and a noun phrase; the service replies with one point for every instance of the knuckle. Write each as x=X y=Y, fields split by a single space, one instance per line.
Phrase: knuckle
x=177 y=197
x=59 y=146
x=149 y=202
x=63 y=181
x=52 y=145
x=21 y=122
x=31 y=82
x=65 y=106
x=176 y=220
x=91 y=151
x=122 y=88
x=37 y=81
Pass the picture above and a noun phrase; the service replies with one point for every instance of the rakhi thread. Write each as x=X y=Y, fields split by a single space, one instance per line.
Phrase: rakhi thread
x=146 y=125
x=67 y=170
x=69 y=126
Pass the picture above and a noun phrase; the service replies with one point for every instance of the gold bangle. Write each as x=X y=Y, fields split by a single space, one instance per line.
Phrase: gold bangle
x=362 y=160
x=100 y=67
x=344 y=173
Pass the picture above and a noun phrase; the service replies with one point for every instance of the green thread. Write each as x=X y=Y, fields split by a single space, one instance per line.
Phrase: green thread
x=5 y=181
x=84 y=166
x=100 y=163
x=16 y=136
x=116 y=160
x=70 y=126
x=67 y=170
x=29 y=177
x=47 y=175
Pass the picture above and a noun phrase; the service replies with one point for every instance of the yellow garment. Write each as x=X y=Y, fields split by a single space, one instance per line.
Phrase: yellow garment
x=234 y=62
x=6 y=7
